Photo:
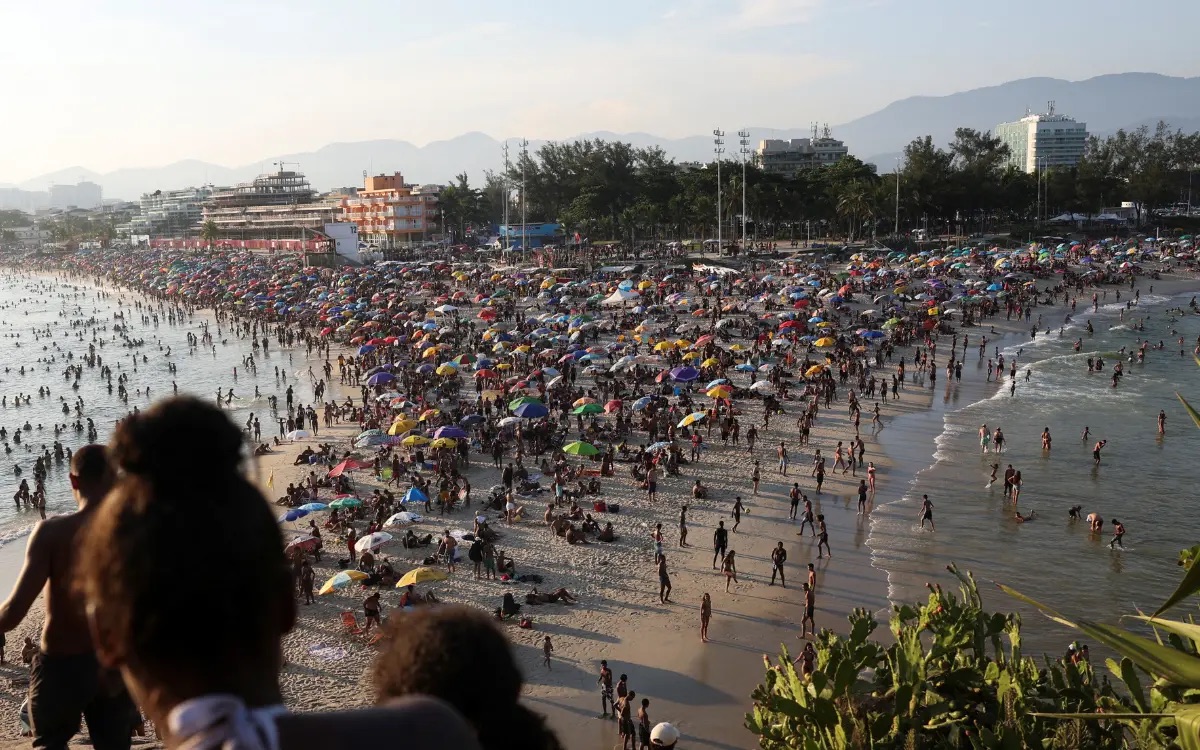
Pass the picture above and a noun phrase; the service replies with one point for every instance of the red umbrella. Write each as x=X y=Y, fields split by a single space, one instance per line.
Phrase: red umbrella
x=348 y=464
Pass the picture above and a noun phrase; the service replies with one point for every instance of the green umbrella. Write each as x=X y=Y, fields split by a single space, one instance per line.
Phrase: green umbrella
x=589 y=409
x=580 y=448
x=346 y=502
x=522 y=400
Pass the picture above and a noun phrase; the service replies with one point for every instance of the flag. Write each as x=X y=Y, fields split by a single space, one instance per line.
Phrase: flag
x=271 y=481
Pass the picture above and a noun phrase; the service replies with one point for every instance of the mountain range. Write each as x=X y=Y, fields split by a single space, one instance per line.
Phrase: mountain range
x=1106 y=103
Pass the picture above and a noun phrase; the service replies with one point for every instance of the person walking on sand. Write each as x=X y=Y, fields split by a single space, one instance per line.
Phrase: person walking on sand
x=664 y=581
x=729 y=568
x=737 y=512
x=812 y=577
x=755 y=476
x=705 y=616
x=926 y=512
x=862 y=497
x=778 y=558
x=547 y=649
x=822 y=537
x=307 y=581
x=606 y=690
x=683 y=526
x=806 y=517
x=809 y=611
x=720 y=542
x=783 y=460
x=794 y=496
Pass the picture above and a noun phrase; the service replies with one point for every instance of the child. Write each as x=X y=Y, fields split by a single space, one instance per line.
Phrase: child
x=547 y=649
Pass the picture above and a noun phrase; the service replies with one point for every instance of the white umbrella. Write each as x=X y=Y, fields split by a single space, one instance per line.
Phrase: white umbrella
x=509 y=420
x=295 y=435
x=372 y=541
x=403 y=518
x=761 y=386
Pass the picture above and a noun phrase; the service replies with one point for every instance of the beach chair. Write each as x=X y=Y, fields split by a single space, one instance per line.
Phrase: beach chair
x=351 y=623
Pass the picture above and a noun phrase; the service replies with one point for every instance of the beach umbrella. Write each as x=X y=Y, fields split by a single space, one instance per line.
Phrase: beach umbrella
x=346 y=502
x=380 y=378
x=685 y=374
x=422 y=575
x=414 y=495
x=825 y=342
x=589 y=409
x=451 y=431
x=509 y=421
x=613 y=405
x=512 y=405
x=295 y=435
x=347 y=465
x=403 y=518
x=691 y=419
x=314 y=507
x=580 y=448
x=372 y=541
x=342 y=580
x=414 y=440
x=306 y=543
x=445 y=370
x=719 y=391
x=659 y=446
x=761 y=386
x=401 y=426
x=444 y=443
x=814 y=370
x=294 y=514
x=531 y=410
x=642 y=403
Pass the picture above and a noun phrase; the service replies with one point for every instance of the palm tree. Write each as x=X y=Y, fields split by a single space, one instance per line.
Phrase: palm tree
x=854 y=203
x=209 y=232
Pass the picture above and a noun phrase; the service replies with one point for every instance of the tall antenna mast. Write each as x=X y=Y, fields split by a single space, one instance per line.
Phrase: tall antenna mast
x=505 y=184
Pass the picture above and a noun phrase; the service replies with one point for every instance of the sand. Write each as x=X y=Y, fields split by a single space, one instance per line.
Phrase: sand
x=702 y=688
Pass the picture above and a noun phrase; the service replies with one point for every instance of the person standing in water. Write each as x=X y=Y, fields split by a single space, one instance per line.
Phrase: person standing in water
x=1118 y=535
x=926 y=512
x=1162 y=422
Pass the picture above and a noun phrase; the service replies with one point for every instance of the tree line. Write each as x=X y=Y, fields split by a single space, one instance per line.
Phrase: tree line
x=613 y=190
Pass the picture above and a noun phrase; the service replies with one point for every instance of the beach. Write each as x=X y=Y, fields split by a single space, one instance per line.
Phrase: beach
x=701 y=688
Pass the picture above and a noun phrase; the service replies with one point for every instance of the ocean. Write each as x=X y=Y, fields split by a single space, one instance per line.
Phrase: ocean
x=41 y=324
x=1143 y=481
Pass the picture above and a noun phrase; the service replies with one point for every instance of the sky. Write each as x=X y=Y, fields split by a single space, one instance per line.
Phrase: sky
x=106 y=84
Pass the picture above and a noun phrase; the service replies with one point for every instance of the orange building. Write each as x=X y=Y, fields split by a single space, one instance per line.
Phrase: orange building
x=389 y=212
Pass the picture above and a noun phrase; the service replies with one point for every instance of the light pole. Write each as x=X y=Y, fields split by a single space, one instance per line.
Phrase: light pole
x=744 y=139
x=506 y=232
x=524 y=158
x=719 y=149
x=896 y=229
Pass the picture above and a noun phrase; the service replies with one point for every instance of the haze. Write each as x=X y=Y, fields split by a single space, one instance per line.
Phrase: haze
x=126 y=83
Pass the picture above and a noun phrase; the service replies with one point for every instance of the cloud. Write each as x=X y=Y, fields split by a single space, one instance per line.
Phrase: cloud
x=753 y=14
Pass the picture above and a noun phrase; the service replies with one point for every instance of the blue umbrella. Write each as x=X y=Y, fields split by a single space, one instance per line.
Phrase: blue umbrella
x=472 y=419
x=641 y=403
x=313 y=507
x=450 y=431
x=365 y=349
x=715 y=383
x=531 y=410
x=657 y=447
x=380 y=378
x=685 y=374
x=414 y=495
x=294 y=514
x=874 y=335
x=744 y=367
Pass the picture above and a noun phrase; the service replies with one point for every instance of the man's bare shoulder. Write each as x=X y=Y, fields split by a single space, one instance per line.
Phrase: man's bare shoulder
x=58 y=529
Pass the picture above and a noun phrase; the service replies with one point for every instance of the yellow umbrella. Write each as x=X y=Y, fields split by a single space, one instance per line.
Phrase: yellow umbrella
x=444 y=443
x=414 y=440
x=663 y=346
x=446 y=370
x=581 y=401
x=736 y=348
x=690 y=356
x=524 y=348
x=342 y=580
x=429 y=353
x=504 y=366
x=645 y=284
x=429 y=413
x=933 y=311
x=711 y=362
x=421 y=575
x=814 y=370
x=492 y=393
x=719 y=391
x=824 y=324
x=825 y=342
x=683 y=343
x=401 y=426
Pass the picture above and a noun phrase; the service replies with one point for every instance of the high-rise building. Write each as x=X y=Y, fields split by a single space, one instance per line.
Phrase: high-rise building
x=389 y=212
x=81 y=195
x=169 y=213
x=789 y=158
x=1043 y=140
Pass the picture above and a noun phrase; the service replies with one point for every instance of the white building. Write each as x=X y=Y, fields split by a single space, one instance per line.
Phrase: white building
x=1045 y=140
x=81 y=195
x=169 y=213
x=788 y=158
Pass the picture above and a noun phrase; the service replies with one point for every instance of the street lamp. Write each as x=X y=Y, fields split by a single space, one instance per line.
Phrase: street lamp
x=719 y=149
x=896 y=228
x=744 y=139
